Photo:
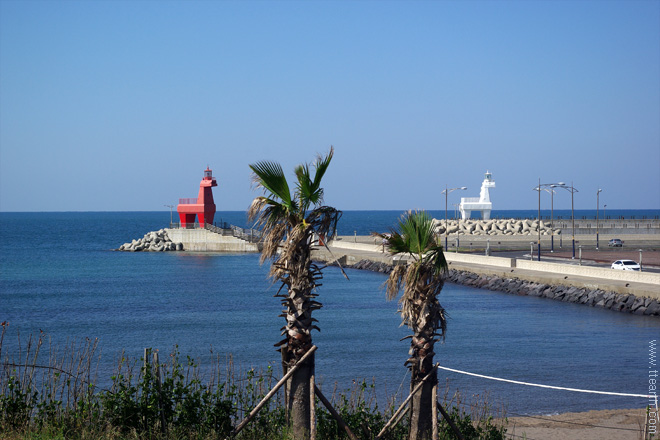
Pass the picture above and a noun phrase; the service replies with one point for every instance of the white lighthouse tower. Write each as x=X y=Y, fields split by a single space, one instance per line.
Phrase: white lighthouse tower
x=481 y=203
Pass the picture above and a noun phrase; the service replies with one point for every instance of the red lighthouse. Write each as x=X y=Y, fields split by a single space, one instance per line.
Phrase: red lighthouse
x=202 y=207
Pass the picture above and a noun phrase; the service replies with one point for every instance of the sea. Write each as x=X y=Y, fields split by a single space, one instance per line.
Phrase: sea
x=60 y=275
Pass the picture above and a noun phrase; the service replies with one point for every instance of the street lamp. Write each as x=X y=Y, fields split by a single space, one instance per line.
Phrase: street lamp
x=552 y=218
x=544 y=187
x=572 y=190
x=170 y=206
x=597 y=207
x=446 y=193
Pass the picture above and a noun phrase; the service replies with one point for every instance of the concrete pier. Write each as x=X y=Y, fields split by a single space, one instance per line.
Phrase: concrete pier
x=203 y=240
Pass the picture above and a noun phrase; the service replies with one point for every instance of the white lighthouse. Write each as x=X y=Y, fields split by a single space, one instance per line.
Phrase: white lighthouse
x=481 y=203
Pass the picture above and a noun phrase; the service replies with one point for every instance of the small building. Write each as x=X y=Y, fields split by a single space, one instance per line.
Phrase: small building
x=481 y=203
x=202 y=207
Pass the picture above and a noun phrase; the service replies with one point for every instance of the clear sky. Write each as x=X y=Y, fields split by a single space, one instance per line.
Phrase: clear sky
x=120 y=105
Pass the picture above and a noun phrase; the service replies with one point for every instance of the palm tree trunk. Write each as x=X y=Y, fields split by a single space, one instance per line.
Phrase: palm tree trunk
x=298 y=405
x=299 y=307
x=421 y=418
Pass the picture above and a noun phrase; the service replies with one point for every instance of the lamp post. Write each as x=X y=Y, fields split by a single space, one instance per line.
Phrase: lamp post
x=597 y=207
x=538 y=224
x=572 y=190
x=446 y=192
x=170 y=206
x=548 y=188
x=552 y=218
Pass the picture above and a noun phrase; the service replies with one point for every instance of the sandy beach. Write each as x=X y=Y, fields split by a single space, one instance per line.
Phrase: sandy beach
x=620 y=424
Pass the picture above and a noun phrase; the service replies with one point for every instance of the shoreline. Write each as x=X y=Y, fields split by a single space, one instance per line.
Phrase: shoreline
x=610 y=424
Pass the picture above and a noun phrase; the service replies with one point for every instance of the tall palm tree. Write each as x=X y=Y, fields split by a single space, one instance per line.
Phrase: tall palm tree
x=422 y=280
x=291 y=222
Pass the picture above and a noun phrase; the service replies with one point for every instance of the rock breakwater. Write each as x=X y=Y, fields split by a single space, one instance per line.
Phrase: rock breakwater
x=627 y=303
x=494 y=227
x=155 y=241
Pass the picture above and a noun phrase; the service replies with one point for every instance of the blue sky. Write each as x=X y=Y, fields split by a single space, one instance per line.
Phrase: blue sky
x=120 y=105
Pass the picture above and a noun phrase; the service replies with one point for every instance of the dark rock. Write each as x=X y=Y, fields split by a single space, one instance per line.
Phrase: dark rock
x=516 y=286
x=639 y=303
x=653 y=308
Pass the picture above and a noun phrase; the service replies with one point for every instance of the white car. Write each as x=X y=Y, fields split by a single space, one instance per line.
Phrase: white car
x=625 y=265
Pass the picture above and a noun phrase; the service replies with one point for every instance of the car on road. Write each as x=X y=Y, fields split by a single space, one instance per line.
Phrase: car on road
x=625 y=265
x=615 y=242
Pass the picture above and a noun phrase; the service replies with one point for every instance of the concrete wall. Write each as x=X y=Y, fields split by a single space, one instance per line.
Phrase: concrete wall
x=593 y=272
x=347 y=244
x=202 y=240
x=480 y=259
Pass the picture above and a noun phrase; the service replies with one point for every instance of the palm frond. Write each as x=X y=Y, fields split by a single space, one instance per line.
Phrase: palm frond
x=321 y=166
x=415 y=235
x=323 y=221
x=309 y=190
x=269 y=175
x=394 y=282
x=436 y=256
x=303 y=187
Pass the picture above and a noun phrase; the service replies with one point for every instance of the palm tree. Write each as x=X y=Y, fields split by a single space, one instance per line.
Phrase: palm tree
x=422 y=280
x=291 y=222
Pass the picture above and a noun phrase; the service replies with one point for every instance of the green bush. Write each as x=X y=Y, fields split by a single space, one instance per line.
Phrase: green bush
x=173 y=400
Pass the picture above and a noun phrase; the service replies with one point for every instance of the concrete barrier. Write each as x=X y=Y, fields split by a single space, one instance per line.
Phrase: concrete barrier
x=588 y=271
x=480 y=259
x=345 y=244
x=202 y=240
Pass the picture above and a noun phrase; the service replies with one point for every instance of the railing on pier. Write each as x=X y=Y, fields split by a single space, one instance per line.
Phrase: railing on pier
x=249 y=235
x=225 y=229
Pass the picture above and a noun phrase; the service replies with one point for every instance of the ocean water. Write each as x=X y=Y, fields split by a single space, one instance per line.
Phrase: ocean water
x=58 y=274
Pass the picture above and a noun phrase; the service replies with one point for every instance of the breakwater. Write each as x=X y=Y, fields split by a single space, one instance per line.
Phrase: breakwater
x=154 y=241
x=621 y=302
x=517 y=227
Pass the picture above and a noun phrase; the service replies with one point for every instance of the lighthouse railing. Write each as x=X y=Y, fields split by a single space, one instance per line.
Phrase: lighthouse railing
x=469 y=199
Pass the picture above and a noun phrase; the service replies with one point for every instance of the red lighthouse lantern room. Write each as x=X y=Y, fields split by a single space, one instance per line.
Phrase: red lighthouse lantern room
x=202 y=207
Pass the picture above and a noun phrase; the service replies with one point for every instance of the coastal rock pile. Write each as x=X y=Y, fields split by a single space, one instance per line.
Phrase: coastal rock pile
x=493 y=227
x=155 y=241
x=372 y=266
x=592 y=297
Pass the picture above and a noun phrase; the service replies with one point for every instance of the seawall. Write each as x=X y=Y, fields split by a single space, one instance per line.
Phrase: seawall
x=594 y=296
x=634 y=292
x=203 y=240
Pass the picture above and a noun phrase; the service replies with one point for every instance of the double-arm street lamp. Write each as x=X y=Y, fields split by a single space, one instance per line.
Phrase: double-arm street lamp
x=548 y=187
x=572 y=190
x=597 y=207
x=552 y=193
x=446 y=192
